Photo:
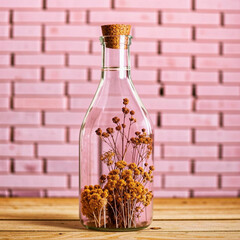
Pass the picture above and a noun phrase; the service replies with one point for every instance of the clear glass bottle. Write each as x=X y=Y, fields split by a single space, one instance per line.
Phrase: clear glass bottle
x=115 y=145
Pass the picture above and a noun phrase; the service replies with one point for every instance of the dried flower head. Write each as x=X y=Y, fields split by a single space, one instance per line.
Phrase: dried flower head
x=125 y=101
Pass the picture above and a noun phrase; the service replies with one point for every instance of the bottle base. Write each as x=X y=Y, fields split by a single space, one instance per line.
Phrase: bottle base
x=116 y=229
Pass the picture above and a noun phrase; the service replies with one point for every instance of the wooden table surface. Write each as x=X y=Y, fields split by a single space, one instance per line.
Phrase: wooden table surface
x=57 y=218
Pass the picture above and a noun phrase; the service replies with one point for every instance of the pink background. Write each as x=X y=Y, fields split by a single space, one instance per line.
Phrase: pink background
x=186 y=68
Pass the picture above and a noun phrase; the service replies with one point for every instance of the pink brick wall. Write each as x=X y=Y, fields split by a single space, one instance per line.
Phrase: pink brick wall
x=186 y=68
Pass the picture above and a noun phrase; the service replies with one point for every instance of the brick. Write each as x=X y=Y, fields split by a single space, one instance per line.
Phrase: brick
x=5 y=89
x=230 y=181
x=4 y=16
x=152 y=4
x=163 y=166
x=157 y=181
x=105 y=17
x=4 y=31
x=187 y=76
x=40 y=60
x=231 y=77
x=55 y=166
x=80 y=103
x=72 y=31
x=74 y=182
x=189 y=48
x=172 y=135
x=41 y=134
x=215 y=193
x=231 y=49
x=16 y=150
x=39 y=17
x=218 y=105
x=190 y=18
x=4 y=166
x=19 y=74
x=38 y=89
x=4 y=60
x=19 y=118
x=27 y=193
x=4 y=134
x=74 y=134
x=13 y=4
x=77 y=16
x=171 y=194
x=147 y=90
x=231 y=120
x=85 y=60
x=82 y=89
x=4 y=103
x=232 y=19
x=217 y=63
x=177 y=90
x=231 y=151
x=66 y=46
x=58 y=150
x=163 y=62
x=217 y=34
x=216 y=90
x=27 y=31
x=63 y=193
x=217 y=167
x=190 y=151
x=75 y=4
x=64 y=118
x=4 y=193
x=28 y=166
x=40 y=103
x=20 y=46
x=159 y=32
x=168 y=104
x=217 y=5
x=37 y=181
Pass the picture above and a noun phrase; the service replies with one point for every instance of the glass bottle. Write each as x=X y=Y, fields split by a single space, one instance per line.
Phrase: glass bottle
x=115 y=145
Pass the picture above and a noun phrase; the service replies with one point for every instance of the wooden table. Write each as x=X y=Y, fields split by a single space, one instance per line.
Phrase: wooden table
x=49 y=218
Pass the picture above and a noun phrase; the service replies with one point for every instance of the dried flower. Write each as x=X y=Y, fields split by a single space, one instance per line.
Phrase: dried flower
x=125 y=101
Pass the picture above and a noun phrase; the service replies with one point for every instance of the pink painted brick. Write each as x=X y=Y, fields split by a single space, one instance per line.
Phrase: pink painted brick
x=218 y=105
x=40 y=103
x=75 y=4
x=190 y=151
x=163 y=62
x=159 y=32
x=33 y=181
x=4 y=165
x=20 y=46
x=190 y=181
x=217 y=167
x=152 y=4
x=82 y=88
x=74 y=134
x=84 y=60
x=66 y=46
x=4 y=60
x=27 y=31
x=189 y=48
x=172 y=136
x=13 y=4
x=218 y=33
x=4 y=134
x=168 y=104
x=41 y=134
x=4 y=193
x=163 y=166
x=4 y=103
x=64 y=118
x=4 y=16
x=4 y=31
x=217 y=5
x=231 y=77
x=188 y=76
x=19 y=74
x=39 y=17
x=80 y=103
x=231 y=19
x=190 y=18
x=217 y=62
x=73 y=31
x=231 y=120
x=16 y=150
x=77 y=16
x=74 y=181
x=231 y=49
x=157 y=151
x=231 y=181
x=106 y=17
x=62 y=193
x=215 y=193
x=157 y=183
x=19 y=118
x=56 y=166
x=65 y=74
x=5 y=89
x=39 y=89
x=231 y=151
x=216 y=90
x=212 y=136
x=171 y=193
x=28 y=193
x=147 y=90
x=40 y=60
x=177 y=90
x=28 y=166
x=58 y=150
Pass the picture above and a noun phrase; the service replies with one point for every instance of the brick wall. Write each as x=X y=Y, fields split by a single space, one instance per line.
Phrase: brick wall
x=186 y=69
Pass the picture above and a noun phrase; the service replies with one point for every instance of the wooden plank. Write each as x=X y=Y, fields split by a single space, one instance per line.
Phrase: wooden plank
x=169 y=226
x=90 y=235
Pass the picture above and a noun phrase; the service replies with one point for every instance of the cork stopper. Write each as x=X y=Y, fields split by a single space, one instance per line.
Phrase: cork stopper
x=111 y=34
